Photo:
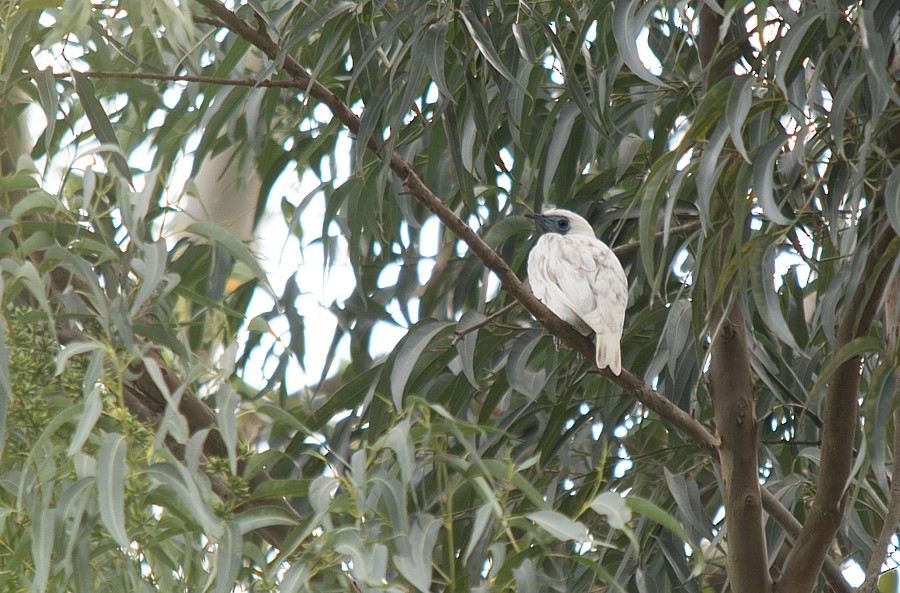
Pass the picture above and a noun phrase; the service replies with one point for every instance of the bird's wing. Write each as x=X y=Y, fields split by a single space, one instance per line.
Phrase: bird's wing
x=543 y=274
x=591 y=281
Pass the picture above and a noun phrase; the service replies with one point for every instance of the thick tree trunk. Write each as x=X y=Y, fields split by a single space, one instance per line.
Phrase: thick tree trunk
x=734 y=405
x=732 y=394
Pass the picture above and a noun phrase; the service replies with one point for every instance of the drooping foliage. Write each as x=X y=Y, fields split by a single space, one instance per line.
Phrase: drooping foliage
x=739 y=158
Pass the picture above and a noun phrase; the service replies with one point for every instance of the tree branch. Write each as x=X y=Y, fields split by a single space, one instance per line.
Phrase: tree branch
x=145 y=401
x=732 y=392
x=251 y=82
x=838 y=433
x=637 y=388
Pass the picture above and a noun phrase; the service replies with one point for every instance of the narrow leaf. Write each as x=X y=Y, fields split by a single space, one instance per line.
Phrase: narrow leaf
x=852 y=349
x=628 y=148
x=523 y=43
x=739 y=101
x=558 y=144
x=560 y=526
x=486 y=46
x=218 y=235
x=764 y=179
x=626 y=28
x=892 y=198
x=520 y=377
x=100 y=124
x=653 y=193
x=93 y=405
x=111 y=470
x=413 y=347
x=647 y=509
x=762 y=278
x=227 y=402
x=478 y=527
x=42 y=532
x=228 y=559
x=466 y=346
x=434 y=57
x=46 y=84
x=262 y=517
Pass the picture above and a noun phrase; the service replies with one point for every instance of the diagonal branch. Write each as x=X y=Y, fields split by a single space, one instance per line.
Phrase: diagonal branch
x=636 y=387
x=251 y=82
x=839 y=430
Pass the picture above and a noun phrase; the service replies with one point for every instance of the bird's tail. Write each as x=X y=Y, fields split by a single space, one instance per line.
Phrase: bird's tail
x=609 y=353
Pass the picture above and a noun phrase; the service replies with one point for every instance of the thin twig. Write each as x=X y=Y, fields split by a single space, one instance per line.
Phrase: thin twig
x=675 y=230
x=251 y=82
x=460 y=334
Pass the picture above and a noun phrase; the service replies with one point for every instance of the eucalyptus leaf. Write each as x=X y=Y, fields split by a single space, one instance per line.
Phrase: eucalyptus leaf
x=111 y=472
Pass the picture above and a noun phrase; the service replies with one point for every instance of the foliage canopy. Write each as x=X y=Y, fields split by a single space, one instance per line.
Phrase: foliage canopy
x=742 y=159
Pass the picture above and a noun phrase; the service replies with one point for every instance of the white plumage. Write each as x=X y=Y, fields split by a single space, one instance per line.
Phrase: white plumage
x=581 y=280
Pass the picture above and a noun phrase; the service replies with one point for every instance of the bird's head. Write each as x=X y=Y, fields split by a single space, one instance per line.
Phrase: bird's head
x=562 y=222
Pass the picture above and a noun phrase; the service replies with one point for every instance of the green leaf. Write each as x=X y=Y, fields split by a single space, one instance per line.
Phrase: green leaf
x=478 y=529
x=413 y=346
x=560 y=526
x=434 y=57
x=100 y=124
x=796 y=47
x=853 y=349
x=177 y=477
x=739 y=101
x=645 y=508
x=5 y=388
x=465 y=347
x=111 y=471
x=523 y=43
x=613 y=507
x=415 y=564
x=46 y=84
x=218 y=235
x=486 y=46
x=709 y=170
x=628 y=148
x=892 y=198
x=559 y=141
x=228 y=559
x=887 y=582
x=93 y=405
x=42 y=533
x=520 y=377
x=35 y=202
x=227 y=402
x=763 y=179
x=151 y=269
x=262 y=517
x=652 y=194
x=626 y=28
x=762 y=277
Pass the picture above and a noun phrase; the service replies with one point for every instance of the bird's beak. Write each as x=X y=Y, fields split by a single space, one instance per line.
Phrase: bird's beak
x=539 y=219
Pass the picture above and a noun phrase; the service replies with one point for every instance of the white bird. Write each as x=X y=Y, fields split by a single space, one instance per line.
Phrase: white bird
x=581 y=280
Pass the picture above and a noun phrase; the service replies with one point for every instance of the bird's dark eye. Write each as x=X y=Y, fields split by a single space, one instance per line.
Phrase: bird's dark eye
x=562 y=223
